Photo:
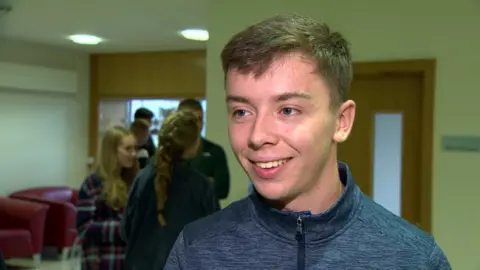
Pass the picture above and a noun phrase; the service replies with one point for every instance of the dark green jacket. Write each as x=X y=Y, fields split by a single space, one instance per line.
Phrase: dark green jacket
x=212 y=162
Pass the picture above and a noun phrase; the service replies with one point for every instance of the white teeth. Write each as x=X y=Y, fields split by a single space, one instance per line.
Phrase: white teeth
x=271 y=164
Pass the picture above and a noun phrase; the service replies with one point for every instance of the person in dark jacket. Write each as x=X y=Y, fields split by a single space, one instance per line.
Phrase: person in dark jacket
x=140 y=129
x=287 y=80
x=147 y=115
x=210 y=159
x=101 y=200
x=167 y=195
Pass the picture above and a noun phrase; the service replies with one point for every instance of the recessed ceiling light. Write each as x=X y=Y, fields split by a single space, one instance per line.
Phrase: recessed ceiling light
x=85 y=39
x=195 y=34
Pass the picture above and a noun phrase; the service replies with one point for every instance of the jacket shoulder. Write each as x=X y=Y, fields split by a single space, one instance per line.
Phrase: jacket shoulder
x=92 y=184
x=142 y=179
x=211 y=146
x=219 y=222
x=186 y=171
x=396 y=230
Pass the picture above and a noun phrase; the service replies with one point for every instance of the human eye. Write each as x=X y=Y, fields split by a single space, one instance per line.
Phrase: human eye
x=239 y=113
x=289 y=111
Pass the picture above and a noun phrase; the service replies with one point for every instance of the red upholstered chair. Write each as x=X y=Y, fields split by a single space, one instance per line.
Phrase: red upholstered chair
x=60 y=224
x=22 y=228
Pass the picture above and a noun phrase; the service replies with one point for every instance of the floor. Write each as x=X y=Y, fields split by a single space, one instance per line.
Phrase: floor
x=50 y=261
x=25 y=264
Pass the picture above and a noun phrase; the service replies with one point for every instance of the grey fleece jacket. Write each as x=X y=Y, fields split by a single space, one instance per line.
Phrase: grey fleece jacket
x=356 y=233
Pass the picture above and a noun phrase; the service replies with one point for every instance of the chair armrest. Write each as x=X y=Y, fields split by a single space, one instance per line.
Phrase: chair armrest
x=74 y=200
x=61 y=216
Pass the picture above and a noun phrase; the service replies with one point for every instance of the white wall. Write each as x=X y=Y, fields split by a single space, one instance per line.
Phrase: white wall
x=34 y=122
x=388 y=30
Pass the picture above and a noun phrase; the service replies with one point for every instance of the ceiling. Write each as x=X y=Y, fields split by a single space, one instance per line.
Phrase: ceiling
x=127 y=26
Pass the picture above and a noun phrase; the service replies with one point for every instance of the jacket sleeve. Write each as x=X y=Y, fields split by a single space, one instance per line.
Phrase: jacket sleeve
x=178 y=254
x=221 y=174
x=150 y=146
x=209 y=199
x=88 y=223
x=129 y=212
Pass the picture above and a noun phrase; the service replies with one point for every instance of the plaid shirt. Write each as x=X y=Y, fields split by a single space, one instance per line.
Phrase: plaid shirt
x=99 y=227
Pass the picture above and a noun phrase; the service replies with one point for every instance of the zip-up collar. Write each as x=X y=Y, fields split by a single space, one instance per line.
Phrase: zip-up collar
x=303 y=226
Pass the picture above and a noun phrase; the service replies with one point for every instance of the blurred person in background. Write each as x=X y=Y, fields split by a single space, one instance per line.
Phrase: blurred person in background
x=140 y=129
x=101 y=200
x=210 y=159
x=147 y=115
x=167 y=195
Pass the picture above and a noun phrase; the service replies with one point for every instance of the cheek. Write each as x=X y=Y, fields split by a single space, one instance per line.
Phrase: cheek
x=238 y=134
x=121 y=159
x=126 y=156
x=300 y=139
x=295 y=128
x=122 y=156
x=308 y=134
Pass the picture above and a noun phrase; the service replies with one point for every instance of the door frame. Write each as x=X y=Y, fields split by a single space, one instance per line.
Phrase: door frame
x=425 y=68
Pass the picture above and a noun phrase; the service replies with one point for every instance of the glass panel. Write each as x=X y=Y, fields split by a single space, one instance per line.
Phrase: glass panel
x=387 y=164
x=161 y=108
x=111 y=113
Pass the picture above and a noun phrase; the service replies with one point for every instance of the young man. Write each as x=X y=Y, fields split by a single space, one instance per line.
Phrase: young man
x=147 y=115
x=287 y=81
x=211 y=159
x=141 y=130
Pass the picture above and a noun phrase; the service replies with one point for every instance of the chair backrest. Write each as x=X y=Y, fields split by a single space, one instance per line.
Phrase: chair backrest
x=18 y=213
x=62 y=194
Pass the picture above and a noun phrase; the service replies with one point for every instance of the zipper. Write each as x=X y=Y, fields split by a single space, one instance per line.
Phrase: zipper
x=300 y=237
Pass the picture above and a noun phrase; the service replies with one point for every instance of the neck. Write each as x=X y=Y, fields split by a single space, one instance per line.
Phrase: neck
x=323 y=213
x=323 y=194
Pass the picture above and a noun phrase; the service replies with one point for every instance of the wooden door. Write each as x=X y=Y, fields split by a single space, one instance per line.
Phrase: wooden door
x=398 y=93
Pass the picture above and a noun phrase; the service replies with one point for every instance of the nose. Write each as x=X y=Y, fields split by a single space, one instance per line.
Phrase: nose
x=263 y=132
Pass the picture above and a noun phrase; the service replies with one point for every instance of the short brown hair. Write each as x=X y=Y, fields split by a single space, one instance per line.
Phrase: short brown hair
x=191 y=104
x=254 y=49
x=143 y=113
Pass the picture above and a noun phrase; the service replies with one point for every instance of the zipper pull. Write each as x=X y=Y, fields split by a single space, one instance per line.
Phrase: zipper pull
x=299 y=234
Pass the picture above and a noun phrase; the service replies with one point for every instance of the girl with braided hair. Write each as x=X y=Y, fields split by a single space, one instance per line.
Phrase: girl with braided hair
x=166 y=195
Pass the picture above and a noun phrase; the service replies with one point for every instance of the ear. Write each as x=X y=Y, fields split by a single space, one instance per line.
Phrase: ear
x=345 y=118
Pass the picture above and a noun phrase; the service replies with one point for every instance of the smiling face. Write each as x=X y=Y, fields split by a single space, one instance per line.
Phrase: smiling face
x=282 y=128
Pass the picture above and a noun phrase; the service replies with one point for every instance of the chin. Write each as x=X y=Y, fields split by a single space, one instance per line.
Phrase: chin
x=270 y=190
x=128 y=165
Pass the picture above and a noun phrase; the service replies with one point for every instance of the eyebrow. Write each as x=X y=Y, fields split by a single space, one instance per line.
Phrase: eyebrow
x=280 y=98
x=237 y=99
x=292 y=95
